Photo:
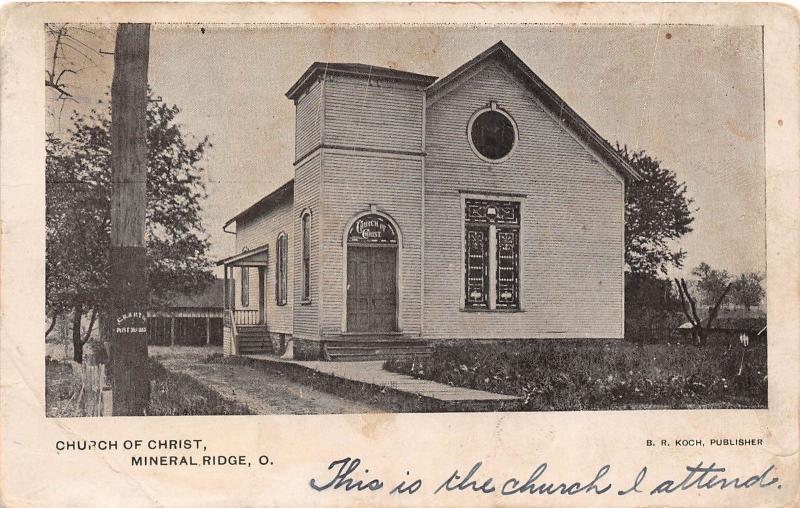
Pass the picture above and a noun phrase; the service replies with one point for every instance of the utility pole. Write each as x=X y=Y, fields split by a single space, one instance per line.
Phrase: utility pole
x=129 y=293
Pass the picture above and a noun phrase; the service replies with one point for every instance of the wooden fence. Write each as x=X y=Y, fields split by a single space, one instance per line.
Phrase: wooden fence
x=94 y=396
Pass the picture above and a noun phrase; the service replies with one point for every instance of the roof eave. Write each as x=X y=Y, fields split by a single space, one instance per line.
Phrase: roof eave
x=263 y=201
x=340 y=69
x=244 y=255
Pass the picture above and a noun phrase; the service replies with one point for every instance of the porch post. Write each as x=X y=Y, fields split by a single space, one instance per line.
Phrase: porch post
x=208 y=330
x=225 y=287
x=172 y=331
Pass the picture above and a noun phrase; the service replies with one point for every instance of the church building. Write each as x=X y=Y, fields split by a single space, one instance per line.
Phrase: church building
x=474 y=206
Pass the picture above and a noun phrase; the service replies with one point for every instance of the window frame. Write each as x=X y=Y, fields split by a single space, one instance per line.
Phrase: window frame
x=493 y=229
x=492 y=107
x=305 y=256
x=281 y=267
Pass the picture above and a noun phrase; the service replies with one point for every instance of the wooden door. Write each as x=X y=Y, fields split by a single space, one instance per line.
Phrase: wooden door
x=371 y=289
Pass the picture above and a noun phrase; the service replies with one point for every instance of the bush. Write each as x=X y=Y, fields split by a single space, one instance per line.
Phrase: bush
x=650 y=325
x=594 y=375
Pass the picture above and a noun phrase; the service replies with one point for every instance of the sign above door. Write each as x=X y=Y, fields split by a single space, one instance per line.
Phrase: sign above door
x=372 y=229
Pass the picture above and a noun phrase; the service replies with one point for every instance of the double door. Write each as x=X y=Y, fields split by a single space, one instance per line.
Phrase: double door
x=371 y=289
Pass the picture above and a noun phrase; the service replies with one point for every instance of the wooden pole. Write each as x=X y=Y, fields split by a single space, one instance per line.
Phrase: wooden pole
x=131 y=385
x=208 y=330
x=172 y=331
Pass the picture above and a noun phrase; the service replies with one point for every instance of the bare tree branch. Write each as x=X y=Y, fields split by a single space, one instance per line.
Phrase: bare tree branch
x=91 y=327
x=52 y=325
x=683 y=302
x=62 y=64
x=713 y=315
x=691 y=301
x=58 y=88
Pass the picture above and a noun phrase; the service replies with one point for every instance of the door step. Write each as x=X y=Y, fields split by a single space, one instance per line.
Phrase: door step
x=364 y=349
x=253 y=340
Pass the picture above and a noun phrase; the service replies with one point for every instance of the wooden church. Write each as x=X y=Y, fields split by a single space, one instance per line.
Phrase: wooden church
x=474 y=206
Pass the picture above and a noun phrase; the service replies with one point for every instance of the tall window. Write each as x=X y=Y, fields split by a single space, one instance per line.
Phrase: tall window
x=491 y=254
x=281 y=248
x=245 y=286
x=305 y=222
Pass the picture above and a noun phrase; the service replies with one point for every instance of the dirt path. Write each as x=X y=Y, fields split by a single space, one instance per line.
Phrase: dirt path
x=265 y=391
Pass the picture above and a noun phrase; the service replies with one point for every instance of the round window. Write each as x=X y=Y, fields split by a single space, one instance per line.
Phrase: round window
x=492 y=134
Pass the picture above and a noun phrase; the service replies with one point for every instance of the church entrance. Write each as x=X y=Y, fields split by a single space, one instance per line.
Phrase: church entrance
x=372 y=275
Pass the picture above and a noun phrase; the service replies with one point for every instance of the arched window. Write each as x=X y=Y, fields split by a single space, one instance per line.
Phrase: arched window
x=245 y=286
x=305 y=227
x=281 y=248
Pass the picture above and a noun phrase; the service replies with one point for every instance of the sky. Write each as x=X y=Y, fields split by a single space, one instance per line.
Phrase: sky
x=690 y=96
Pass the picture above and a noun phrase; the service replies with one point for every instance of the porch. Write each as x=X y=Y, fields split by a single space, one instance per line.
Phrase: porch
x=245 y=331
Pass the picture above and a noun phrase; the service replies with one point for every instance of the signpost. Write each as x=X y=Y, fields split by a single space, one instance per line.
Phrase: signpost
x=131 y=383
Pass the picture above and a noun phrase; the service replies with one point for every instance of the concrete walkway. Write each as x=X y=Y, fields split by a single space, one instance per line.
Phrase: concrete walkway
x=372 y=372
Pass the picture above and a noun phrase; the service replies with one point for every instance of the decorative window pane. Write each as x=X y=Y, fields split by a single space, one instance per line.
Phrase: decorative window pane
x=245 y=286
x=491 y=212
x=507 y=268
x=306 y=260
x=491 y=254
x=477 y=267
x=280 y=269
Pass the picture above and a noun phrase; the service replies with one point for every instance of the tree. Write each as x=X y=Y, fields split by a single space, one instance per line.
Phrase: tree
x=78 y=205
x=699 y=330
x=649 y=308
x=711 y=283
x=76 y=247
x=747 y=290
x=657 y=213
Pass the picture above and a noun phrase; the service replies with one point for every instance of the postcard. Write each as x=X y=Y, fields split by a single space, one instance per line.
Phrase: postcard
x=400 y=255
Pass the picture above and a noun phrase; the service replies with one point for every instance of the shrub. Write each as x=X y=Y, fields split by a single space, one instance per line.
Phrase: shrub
x=581 y=375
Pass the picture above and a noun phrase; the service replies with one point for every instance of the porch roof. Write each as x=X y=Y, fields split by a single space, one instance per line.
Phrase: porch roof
x=252 y=257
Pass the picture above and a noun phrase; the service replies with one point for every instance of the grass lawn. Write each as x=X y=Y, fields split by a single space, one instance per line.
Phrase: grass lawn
x=61 y=390
x=173 y=393
x=170 y=393
x=556 y=375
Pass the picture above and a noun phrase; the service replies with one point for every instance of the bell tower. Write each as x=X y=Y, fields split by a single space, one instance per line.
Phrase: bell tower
x=359 y=155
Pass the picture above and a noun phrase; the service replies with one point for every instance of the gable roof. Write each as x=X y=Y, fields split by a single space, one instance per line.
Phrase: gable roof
x=548 y=98
x=354 y=69
x=280 y=192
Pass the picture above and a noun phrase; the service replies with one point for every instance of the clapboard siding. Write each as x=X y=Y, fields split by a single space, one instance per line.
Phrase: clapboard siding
x=263 y=229
x=572 y=236
x=380 y=116
x=307 y=121
x=353 y=182
x=307 y=181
